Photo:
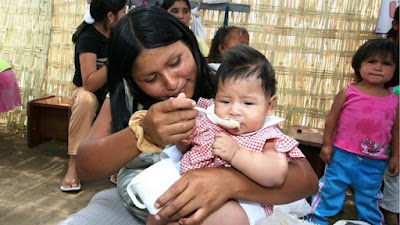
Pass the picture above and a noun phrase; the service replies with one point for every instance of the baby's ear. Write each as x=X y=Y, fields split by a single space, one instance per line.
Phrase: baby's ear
x=271 y=105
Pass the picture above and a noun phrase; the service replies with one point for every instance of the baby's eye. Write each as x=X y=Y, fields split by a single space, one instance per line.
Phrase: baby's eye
x=248 y=103
x=224 y=101
x=371 y=61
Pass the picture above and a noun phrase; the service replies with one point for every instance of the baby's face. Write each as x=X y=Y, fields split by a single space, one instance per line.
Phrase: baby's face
x=245 y=101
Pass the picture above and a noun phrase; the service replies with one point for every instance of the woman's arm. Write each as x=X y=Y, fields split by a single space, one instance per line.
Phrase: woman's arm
x=202 y=191
x=103 y=152
x=92 y=78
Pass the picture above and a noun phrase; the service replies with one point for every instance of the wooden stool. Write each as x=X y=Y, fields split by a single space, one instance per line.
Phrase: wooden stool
x=310 y=143
x=48 y=118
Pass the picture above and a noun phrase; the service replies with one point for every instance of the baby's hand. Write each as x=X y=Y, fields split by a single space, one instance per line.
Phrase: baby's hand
x=224 y=146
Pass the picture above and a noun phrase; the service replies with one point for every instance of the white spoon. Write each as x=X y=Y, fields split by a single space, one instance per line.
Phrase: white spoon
x=228 y=123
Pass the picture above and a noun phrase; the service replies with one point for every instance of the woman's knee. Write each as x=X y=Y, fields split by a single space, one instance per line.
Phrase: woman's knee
x=85 y=100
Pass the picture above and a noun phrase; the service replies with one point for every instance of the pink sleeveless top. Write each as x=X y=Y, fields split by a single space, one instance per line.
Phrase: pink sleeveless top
x=365 y=124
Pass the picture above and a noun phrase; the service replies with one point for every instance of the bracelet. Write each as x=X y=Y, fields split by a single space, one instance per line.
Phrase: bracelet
x=142 y=144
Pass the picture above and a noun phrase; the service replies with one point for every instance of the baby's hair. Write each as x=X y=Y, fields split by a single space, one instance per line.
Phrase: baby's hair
x=243 y=61
x=372 y=48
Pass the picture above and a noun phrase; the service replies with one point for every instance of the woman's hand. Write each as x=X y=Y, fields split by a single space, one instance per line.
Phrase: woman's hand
x=196 y=195
x=200 y=192
x=169 y=121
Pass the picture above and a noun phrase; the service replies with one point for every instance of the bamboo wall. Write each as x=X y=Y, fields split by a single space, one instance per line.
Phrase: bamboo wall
x=309 y=43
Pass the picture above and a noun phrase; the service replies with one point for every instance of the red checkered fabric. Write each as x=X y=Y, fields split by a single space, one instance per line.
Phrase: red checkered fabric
x=201 y=156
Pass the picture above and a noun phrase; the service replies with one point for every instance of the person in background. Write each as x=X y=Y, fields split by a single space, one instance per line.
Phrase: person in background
x=10 y=96
x=90 y=89
x=390 y=202
x=363 y=120
x=225 y=38
x=149 y=70
x=393 y=33
x=181 y=9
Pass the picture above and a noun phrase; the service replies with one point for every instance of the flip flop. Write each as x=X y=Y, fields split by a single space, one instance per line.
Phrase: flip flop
x=68 y=189
x=113 y=179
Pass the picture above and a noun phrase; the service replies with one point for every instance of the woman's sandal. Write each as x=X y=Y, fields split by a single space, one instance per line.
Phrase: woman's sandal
x=68 y=189
x=113 y=178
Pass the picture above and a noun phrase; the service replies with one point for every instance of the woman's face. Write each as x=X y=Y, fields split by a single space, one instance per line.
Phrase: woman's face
x=166 y=71
x=116 y=17
x=182 y=11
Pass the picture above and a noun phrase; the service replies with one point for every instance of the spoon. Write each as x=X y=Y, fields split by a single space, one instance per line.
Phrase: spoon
x=228 y=123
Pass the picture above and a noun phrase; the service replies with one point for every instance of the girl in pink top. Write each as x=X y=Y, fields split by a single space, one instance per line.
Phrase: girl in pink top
x=362 y=122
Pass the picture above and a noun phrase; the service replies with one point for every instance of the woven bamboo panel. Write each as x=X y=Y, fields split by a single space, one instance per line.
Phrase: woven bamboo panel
x=24 y=40
x=309 y=42
x=310 y=45
x=67 y=15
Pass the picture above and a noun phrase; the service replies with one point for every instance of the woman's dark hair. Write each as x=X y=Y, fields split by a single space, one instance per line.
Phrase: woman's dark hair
x=99 y=10
x=141 y=29
x=243 y=61
x=392 y=34
x=219 y=39
x=168 y=3
x=372 y=48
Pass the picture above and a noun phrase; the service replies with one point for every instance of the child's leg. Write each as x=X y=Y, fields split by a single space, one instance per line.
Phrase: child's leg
x=332 y=188
x=391 y=218
x=367 y=182
x=390 y=202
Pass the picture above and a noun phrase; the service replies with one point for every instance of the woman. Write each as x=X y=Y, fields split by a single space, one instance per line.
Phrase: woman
x=181 y=10
x=91 y=40
x=147 y=68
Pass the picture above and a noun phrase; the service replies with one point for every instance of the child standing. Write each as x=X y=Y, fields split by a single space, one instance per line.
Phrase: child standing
x=358 y=130
x=245 y=93
x=224 y=39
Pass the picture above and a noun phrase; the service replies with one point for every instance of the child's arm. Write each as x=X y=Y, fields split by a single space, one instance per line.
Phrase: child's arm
x=394 y=146
x=330 y=126
x=268 y=168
